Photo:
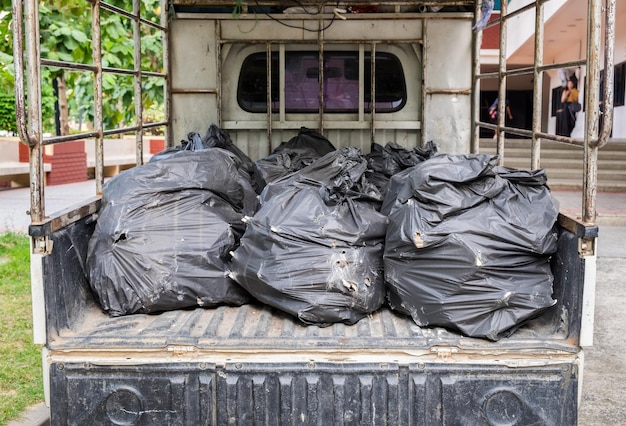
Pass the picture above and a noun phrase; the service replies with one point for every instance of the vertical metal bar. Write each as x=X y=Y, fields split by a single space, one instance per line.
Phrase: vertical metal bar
x=609 y=60
x=218 y=67
x=477 y=37
x=33 y=78
x=96 y=48
x=137 y=81
x=320 y=43
x=425 y=59
x=373 y=95
x=361 y=79
x=592 y=98
x=18 y=61
x=165 y=40
x=269 y=96
x=502 y=81
x=535 y=156
x=281 y=82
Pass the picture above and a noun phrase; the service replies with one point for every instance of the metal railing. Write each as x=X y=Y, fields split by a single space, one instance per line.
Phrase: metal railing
x=594 y=138
x=26 y=41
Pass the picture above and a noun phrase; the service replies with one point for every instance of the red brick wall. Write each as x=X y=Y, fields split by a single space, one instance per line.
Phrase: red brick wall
x=491 y=36
x=69 y=163
x=24 y=154
x=156 y=145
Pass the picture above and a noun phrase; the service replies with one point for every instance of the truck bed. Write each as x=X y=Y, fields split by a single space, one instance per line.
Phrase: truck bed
x=76 y=322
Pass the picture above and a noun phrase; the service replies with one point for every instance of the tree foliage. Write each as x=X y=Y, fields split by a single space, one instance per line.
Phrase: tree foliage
x=66 y=35
x=7 y=113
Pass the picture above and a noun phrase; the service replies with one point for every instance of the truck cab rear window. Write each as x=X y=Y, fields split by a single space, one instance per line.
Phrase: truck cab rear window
x=340 y=83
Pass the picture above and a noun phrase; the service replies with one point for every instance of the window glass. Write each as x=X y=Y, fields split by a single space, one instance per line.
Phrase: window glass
x=340 y=82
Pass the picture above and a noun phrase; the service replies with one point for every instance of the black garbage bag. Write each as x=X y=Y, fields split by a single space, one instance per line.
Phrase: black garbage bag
x=386 y=161
x=215 y=137
x=293 y=155
x=314 y=248
x=468 y=245
x=165 y=231
x=192 y=143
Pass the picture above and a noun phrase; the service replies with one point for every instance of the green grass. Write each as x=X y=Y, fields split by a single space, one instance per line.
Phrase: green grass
x=20 y=366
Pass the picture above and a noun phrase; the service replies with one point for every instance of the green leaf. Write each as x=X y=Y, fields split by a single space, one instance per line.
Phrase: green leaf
x=79 y=36
x=112 y=32
x=65 y=56
x=70 y=44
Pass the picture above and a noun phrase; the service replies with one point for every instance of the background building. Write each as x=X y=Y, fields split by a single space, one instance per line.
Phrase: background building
x=565 y=40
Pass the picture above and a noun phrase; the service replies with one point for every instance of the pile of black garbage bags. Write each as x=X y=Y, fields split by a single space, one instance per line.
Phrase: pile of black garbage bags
x=327 y=235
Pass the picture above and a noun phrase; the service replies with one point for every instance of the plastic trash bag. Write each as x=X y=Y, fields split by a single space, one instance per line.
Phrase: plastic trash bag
x=468 y=244
x=314 y=248
x=215 y=138
x=299 y=152
x=165 y=231
x=386 y=161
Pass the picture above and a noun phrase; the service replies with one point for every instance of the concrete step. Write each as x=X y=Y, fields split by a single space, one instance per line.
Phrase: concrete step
x=564 y=163
x=613 y=145
x=613 y=170
x=558 y=184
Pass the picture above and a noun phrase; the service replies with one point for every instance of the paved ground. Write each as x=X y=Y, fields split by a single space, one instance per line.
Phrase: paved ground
x=604 y=381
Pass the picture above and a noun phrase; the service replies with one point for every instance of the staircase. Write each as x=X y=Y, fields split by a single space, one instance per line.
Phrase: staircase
x=564 y=163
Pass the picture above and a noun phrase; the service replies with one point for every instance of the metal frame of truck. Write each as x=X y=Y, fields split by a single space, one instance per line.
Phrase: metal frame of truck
x=251 y=365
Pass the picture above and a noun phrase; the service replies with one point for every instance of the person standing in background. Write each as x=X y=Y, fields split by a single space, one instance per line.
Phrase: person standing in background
x=493 y=114
x=566 y=115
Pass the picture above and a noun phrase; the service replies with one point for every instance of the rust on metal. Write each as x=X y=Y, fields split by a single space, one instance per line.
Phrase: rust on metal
x=593 y=137
x=26 y=44
x=502 y=71
x=34 y=125
x=18 y=60
x=96 y=47
x=607 y=88
x=535 y=154
x=137 y=81
x=166 y=68
x=477 y=37
x=269 y=95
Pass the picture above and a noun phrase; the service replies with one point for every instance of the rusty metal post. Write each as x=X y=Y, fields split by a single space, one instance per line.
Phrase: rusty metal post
x=590 y=163
x=165 y=41
x=361 y=86
x=373 y=93
x=477 y=37
x=320 y=43
x=535 y=156
x=96 y=47
x=218 y=67
x=281 y=83
x=18 y=61
x=34 y=121
x=502 y=81
x=137 y=81
x=607 y=88
x=269 y=96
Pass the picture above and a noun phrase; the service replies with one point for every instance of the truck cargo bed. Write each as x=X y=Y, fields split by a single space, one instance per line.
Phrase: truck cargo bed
x=76 y=322
x=256 y=365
